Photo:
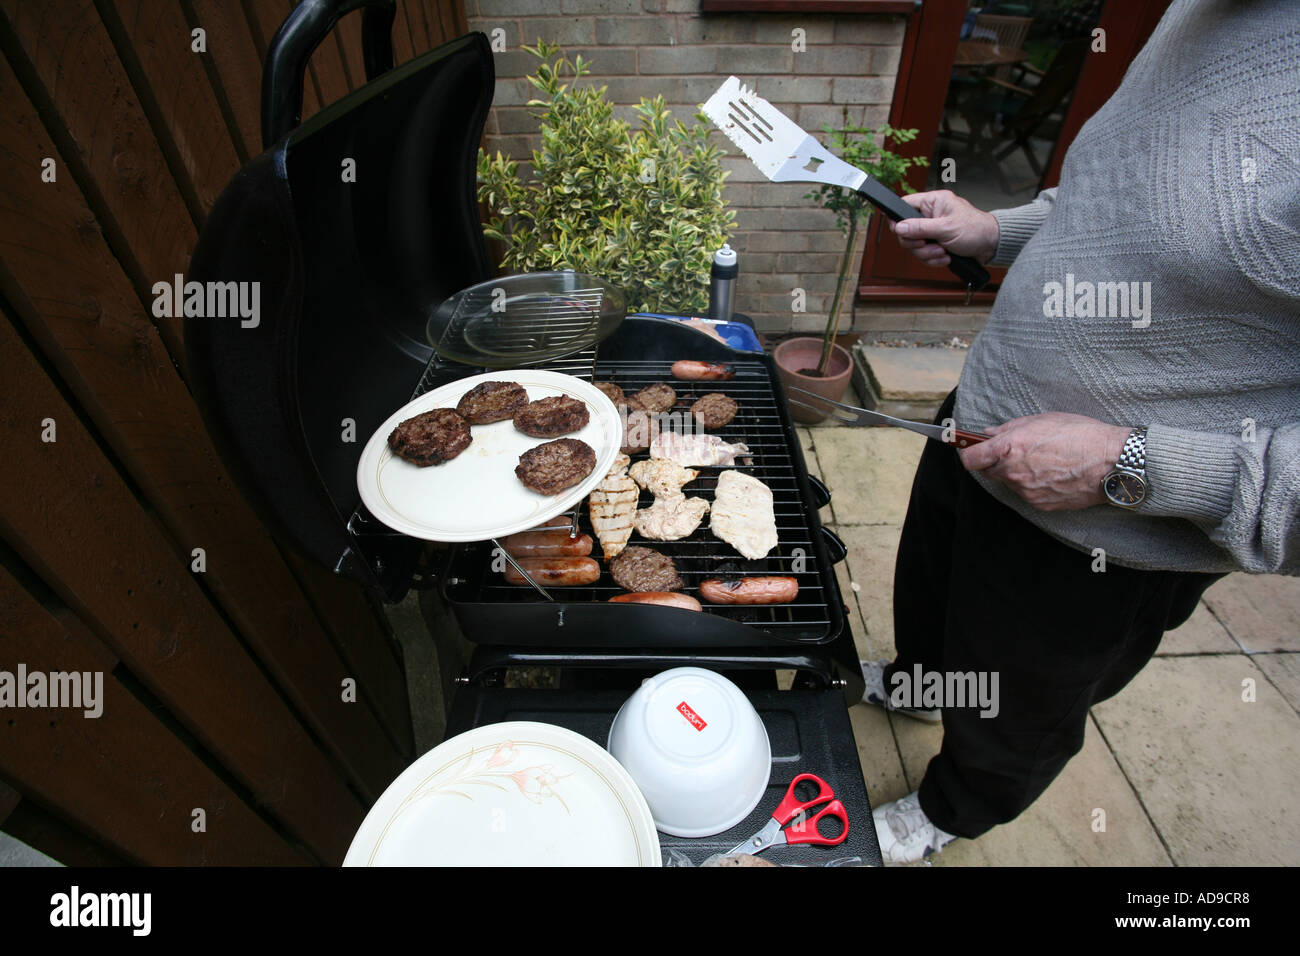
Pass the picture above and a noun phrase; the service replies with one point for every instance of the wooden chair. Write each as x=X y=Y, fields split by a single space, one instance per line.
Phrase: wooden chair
x=1004 y=32
x=1013 y=115
x=1008 y=32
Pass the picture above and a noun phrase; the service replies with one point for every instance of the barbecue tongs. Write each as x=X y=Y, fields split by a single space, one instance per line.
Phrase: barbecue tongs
x=852 y=415
x=784 y=153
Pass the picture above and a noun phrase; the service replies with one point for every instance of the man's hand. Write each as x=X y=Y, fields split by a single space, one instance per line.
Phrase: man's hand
x=1055 y=461
x=952 y=222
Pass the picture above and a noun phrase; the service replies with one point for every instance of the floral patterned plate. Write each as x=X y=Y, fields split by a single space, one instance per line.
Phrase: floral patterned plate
x=510 y=794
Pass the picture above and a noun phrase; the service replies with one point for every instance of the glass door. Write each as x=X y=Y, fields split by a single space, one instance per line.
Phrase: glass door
x=998 y=90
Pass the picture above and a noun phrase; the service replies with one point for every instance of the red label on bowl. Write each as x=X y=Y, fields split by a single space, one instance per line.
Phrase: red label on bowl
x=696 y=720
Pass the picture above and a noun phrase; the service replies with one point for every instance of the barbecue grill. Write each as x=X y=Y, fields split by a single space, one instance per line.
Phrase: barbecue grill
x=351 y=274
x=641 y=353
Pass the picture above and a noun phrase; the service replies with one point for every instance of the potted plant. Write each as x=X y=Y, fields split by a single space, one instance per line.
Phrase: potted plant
x=641 y=208
x=819 y=365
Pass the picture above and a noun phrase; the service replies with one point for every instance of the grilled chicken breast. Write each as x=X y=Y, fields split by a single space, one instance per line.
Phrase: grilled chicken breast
x=671 y=518
x=661 y=476
x=700 y=450
x=611 y=505
x=743 y=515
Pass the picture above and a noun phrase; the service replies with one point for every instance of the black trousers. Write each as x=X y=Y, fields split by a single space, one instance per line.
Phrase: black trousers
x=977 y=588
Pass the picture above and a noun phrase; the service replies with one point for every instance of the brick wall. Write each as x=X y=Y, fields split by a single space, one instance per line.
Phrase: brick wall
x=919 y=322
x=649 y=47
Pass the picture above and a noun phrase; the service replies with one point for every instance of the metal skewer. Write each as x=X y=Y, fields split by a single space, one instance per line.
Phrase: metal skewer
x=527 y=577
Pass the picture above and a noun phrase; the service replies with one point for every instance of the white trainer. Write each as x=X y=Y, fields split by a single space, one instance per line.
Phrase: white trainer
x=905 y=833
x=873 y=672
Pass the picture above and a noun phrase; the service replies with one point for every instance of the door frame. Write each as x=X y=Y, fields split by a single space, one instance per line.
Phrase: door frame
x=890 y=274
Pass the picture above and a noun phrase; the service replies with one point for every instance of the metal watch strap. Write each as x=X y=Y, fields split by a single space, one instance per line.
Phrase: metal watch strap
x=1134 y=455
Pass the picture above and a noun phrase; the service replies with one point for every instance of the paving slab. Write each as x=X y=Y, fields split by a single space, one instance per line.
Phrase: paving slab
x=1216 y=774
x=431 y=660
x=830 y=423
x=809 y=446
x=1284 y=671
x=1202 y=633
x=14 y=852
x=882 y=769
x=1260 y=611
x=915 y=375
x=809 y=449
x=1058 y=828
x=857 y=623
x=869 y=472
x=918 y=741
x=870 y=564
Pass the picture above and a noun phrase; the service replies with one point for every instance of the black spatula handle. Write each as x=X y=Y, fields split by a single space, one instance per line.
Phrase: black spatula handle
x=887 y=201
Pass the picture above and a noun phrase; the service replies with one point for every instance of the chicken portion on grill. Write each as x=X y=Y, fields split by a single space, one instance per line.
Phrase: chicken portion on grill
x=662 y=477
x=743 y=514
x=706 y=450
x=673 y=516
x=611 y=505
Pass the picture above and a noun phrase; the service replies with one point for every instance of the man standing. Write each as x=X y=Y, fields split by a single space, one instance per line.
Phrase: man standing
x=1140 y=376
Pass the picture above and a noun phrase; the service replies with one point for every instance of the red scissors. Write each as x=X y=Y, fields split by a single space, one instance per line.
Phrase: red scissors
x=793 y=810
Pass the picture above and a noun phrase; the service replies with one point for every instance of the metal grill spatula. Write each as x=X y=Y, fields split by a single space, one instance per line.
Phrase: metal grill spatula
x=785 y=153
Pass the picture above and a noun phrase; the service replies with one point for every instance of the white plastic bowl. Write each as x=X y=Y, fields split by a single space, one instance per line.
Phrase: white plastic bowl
x=696 y=748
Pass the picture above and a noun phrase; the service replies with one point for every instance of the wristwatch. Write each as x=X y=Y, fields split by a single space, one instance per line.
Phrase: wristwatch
x=1125 y=486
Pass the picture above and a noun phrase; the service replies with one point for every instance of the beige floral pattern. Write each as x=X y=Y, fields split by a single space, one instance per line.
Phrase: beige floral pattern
x=537 y=783
x=500 y=766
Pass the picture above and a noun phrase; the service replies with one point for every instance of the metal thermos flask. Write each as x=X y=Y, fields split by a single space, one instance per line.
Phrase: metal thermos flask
x=722 y=284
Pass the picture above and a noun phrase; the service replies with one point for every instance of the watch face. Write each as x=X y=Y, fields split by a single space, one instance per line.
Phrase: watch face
x=1125 y=489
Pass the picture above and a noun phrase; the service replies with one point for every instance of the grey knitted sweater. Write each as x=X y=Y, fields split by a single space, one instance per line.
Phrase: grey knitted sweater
x=1188 y=179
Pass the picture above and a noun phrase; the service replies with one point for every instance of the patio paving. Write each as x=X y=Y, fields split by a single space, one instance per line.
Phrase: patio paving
x=1185 y=770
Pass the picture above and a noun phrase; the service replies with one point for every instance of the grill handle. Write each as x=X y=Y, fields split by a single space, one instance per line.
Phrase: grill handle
x=835 y=547
x=821 y=494
x=293 y=44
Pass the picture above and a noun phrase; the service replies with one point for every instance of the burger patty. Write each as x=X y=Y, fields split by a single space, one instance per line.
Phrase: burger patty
x=556 y=465
x=637 y=428
x=658 y=397
x=430 y=438
x=489 y=402
x=614 y=393
x=714 y=410
x=640 y=569
x=553 y=416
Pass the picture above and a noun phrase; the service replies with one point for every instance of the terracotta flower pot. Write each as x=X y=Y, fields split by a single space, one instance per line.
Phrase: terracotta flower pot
x=794 y=355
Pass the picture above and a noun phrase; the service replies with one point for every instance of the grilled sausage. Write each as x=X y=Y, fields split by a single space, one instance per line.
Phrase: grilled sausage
x=663 y=598
x=755 y=590
x=547 y=544
x=557 y=572
x=694 y=371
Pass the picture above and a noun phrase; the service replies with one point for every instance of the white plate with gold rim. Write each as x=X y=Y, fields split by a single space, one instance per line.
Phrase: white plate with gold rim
x=518 y=793
x=477 y=495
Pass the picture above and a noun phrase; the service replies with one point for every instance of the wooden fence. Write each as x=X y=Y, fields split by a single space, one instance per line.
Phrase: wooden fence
x=225 y=736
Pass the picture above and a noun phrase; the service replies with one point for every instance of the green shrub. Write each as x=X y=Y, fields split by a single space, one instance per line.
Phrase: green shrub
x=642 y=207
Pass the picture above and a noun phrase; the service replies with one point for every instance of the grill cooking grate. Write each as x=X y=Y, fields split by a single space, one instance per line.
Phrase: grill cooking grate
x=502 y=331
x=759 y=424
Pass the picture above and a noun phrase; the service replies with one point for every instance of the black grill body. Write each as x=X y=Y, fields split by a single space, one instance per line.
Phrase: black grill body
x=349 y=274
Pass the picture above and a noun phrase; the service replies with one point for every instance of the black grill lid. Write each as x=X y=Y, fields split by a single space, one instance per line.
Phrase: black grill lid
x=349 y=273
